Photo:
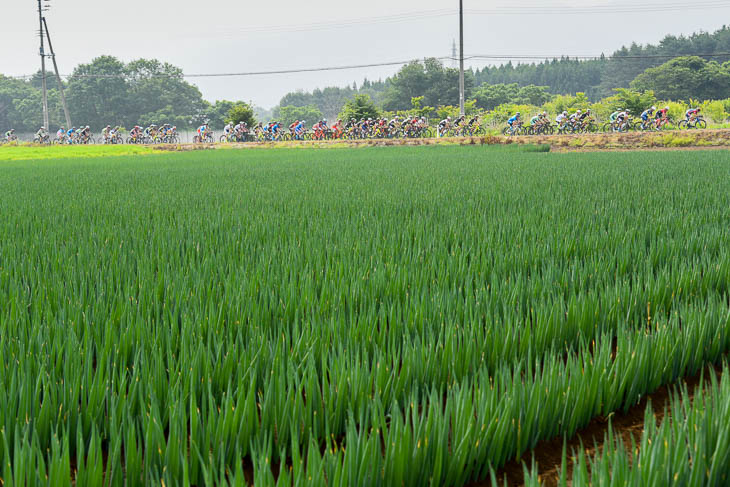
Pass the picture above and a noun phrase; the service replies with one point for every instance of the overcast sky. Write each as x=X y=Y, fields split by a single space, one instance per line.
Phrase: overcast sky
x=220 y=36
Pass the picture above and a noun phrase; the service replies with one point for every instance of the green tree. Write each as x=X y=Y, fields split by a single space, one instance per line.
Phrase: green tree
x=156 y=87
x=215 y=114
x=634 y=101
x=289 y=114
x=241 y=112
x=490 y=96
x=686 y=77
x=418 y=110
x=361 y=106
x=430 y=79
x=98 y=94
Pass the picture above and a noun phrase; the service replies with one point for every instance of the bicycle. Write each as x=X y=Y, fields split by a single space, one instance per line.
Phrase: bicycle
x=511 y=130
x=697 y=123
x=43 y=140
x=205 y=139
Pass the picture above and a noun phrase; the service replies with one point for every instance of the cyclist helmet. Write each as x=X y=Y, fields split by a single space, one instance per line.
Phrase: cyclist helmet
x=698 y=109
x=565 y=113
x=653 y=108
x=517 y=114
x=588 y=111
x=325 y=120
x=666 y=108
x=448 y=118
x=544 y=114
x=87 y=127
x=578 y=111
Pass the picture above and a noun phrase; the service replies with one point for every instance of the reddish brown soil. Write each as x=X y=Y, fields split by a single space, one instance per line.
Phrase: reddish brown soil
x=548 y=454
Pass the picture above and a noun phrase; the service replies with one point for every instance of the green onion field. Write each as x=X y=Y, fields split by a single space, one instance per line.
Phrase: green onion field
x=387 y=316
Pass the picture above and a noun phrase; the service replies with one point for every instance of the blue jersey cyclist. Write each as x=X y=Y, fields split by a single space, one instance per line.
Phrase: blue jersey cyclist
x=646 y=114
x=514 y=119
x=299 y=128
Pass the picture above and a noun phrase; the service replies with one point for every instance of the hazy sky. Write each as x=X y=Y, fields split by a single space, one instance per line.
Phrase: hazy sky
x=220 y=36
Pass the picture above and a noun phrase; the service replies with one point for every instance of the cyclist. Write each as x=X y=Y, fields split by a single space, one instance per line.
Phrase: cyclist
x=646 y=114
x=337 y=128
x=575 y=117
x=227 y=130
x=561 y=119
x=299 y=129
x=444 y=126
x=151 y=131
x=622 y=116
x=536 y=121
x=614 y=116
x=275 y=129
x=293 y=126
x=61 y=134
x=692 y=114
x=41 y=134
x=10 y=135
x=85 y=133
x=71 y=134
x=203 y=131
x=515 y=119
x=105 y=132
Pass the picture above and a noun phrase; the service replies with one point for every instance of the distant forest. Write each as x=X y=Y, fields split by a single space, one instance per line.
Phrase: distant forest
x=107 y=91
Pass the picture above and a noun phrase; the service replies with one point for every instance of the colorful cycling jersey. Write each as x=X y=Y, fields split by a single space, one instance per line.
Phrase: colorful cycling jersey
x=613 y=116
x=534 y=120
x=513 y=119
x=70 y=132
x=275 y=127
x=646 y=114
x=201 y=129
x=560 y=118
x=692 y=111
x=661 y=113
x=227 y=128
x=299 y=127
x=60 y=133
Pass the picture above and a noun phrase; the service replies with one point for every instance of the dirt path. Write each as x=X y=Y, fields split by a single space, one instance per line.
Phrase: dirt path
x=548 y=454
x=688 y=139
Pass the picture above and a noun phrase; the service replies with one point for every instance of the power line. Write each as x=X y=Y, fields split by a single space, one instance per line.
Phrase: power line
x=512 y=9
x=601 y=9
x=494 y=57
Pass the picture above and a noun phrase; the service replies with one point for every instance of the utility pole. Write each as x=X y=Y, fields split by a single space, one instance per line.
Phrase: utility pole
x=461 y=57
x=43 y=68
x=58 y=76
